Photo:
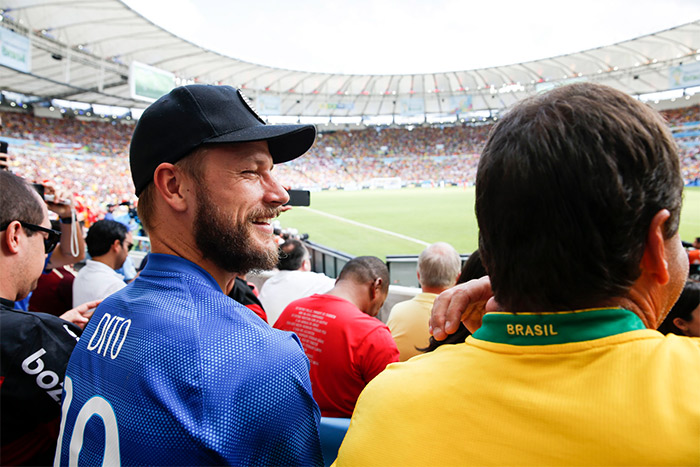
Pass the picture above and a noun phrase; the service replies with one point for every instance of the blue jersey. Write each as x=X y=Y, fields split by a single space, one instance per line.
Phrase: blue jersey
x=170 y=371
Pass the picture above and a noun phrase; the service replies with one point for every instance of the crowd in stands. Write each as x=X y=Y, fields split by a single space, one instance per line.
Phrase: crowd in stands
x=90 y=159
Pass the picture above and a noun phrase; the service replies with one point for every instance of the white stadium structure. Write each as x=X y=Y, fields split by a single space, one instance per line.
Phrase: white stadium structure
x=101 y=52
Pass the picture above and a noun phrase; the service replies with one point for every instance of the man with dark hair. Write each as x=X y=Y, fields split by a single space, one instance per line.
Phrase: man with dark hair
x=438 y=268
x=35 y=347
x=578 y=195
x=294 y=280
x=346 y=344
x=108 y=244
x=176 y=371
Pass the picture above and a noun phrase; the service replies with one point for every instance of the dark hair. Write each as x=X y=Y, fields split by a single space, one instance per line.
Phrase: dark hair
x=684 y=307
x=292 y=255
x=18 y=202
x=365 y=269
x=102 y=235
x=473 y=269
x=566 y=188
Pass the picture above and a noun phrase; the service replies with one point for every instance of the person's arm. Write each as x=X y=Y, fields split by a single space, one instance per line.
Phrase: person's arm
x=378 y=350
x=80 y=315
x=63 y=254
x=466 y=302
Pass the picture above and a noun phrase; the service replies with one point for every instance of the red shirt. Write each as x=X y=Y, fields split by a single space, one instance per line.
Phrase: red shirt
x=346 y=349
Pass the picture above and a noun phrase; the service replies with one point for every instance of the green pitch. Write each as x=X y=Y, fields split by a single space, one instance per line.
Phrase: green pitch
x=395 y=222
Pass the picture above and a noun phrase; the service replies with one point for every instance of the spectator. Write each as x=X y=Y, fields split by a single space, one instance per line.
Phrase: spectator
x=186 y=374
x=71 y=248
x=34 y=347
x=54 y=291
x=684 y=317
x=244 y=293
x=293 y=281
x=346 y=344
x=578 y=198
x=473 y=269
x=71 y=245
x=108 y=243
x=109 y=215
x=438 y=268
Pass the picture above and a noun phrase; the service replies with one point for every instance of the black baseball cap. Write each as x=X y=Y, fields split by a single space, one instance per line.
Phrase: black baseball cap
x=190 y=116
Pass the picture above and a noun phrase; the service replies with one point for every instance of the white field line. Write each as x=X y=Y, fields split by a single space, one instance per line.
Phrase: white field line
x=370 y=227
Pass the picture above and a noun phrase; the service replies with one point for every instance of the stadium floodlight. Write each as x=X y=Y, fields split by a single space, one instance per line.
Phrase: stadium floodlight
x=110 y=110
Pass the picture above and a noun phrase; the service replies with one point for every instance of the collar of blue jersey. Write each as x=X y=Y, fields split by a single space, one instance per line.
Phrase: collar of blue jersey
x=556 y=328
x=161 y=262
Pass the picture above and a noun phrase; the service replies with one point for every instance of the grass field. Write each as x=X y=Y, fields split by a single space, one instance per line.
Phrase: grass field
x=393 y=222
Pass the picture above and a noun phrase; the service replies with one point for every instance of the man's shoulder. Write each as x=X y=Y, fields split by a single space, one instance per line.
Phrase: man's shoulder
x=19 y=325
x=688 y=346
x=94 y=270
x=409 y=306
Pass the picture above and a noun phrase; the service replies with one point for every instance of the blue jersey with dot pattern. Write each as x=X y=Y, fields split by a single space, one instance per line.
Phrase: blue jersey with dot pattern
x=170 y=371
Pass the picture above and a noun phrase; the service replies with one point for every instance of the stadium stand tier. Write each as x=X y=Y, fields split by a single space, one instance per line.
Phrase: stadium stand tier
x=90 y=158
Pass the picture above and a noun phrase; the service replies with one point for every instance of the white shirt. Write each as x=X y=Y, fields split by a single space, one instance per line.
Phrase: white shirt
x=286 y=286
x=95 y=281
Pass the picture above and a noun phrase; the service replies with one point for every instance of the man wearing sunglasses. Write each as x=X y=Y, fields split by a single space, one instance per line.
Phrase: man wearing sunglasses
x=35 y=347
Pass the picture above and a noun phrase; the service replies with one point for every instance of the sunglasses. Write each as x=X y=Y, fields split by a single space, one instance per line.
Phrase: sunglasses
x=50 y=242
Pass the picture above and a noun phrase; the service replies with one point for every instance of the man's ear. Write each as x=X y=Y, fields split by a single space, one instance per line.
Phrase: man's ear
x=306 y=265
x=654 y=259
x=11 y=237
x=116 y=245
x=681 y=324
x=375 y=288
x=173 y=185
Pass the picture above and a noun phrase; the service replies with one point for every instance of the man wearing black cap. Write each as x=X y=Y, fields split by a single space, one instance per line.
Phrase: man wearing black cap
x=171 y=370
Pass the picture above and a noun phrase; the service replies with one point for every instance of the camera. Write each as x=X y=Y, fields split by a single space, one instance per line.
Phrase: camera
x=287 y=234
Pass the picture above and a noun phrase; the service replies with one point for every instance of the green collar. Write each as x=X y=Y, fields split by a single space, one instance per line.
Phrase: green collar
x=556 y=328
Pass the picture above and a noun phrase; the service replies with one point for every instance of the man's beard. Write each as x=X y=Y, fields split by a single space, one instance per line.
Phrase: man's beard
x=229 y=244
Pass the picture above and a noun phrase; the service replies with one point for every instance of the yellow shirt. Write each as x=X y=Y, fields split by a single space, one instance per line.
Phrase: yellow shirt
x=583 y=388
x=408 y=323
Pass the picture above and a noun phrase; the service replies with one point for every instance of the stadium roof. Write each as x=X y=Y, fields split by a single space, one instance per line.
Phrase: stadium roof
x=81 y=50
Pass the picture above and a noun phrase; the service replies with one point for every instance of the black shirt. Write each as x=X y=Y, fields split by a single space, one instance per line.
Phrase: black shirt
x=35 y=351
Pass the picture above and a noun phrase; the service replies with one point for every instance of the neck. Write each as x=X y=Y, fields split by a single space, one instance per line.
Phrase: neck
x=171 y=246
x=351 y=293
x=107 y=260
x=8 y=292
x=435 y=290
x=9 y=288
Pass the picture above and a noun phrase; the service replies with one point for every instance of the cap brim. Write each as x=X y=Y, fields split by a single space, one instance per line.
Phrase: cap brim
x=286 y=142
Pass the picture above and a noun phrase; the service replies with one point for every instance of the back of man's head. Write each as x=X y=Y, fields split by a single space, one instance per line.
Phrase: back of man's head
x=438 y=266
x=18 y=202
x=566 y=189
x=292 y=255
x=365 y=269
x=102 y=235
